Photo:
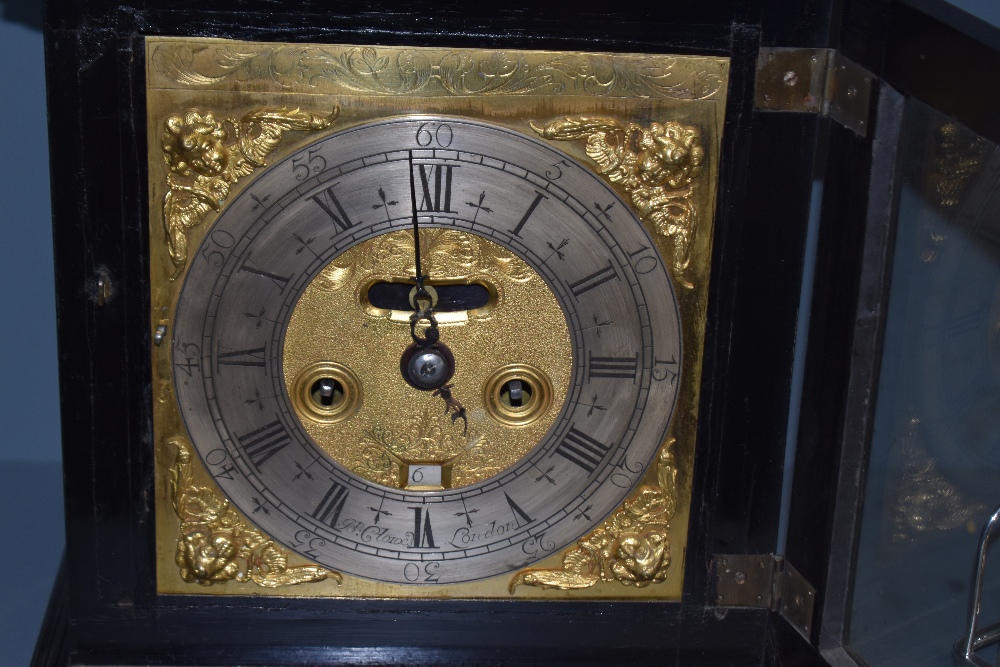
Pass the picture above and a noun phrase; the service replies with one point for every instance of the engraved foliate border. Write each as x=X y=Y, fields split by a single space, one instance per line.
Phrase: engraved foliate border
x=194 y=64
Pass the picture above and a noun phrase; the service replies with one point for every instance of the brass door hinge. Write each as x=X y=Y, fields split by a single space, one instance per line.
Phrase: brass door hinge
x=766 y=581
x=814 y=81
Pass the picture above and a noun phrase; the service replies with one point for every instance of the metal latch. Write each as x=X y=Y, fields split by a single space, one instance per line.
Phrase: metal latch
x=765 y=581
x=814 y=80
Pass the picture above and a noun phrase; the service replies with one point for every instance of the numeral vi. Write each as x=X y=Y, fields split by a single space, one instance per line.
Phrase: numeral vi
x=423 y=536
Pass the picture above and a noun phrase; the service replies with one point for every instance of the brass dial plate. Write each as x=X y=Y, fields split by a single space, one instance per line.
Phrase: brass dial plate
x=258 y=103
x=623 y=328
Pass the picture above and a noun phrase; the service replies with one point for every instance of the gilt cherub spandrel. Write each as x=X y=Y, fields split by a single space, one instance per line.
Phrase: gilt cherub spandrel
x=208 y=156
x=655 y=166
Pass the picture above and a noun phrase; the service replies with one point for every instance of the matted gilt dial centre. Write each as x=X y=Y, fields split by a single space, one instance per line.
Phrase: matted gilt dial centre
x=520 y=335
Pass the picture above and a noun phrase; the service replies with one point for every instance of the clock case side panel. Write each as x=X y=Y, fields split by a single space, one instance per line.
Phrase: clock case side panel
x=764 y=208
x=99 y=223
x=847 y=297
x=100 y=245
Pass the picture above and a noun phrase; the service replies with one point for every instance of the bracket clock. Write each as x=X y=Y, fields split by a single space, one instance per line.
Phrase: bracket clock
x=445 y=334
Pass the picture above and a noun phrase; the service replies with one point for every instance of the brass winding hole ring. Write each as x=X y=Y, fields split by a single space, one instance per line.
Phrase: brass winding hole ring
x=305 y=403
x=537 y=404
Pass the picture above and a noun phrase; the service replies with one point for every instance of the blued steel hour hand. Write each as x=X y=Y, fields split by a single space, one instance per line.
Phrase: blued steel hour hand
x=427 y=363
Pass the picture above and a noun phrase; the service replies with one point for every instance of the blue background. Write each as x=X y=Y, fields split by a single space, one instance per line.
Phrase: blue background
x=30 y=480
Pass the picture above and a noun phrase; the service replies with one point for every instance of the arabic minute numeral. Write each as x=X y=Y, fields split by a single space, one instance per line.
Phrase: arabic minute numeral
x=212 y=252
x=623 y=478
x=304 y=538
x=556 y=172
x=312 y=163
x=218 y=459
x=643 y=260
x=665 y=370
x=439 y=134
x=187 y=358
x=430 y=572
x=537 y=543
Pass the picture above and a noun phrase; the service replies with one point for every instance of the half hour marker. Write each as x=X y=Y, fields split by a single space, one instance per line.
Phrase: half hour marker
x=379 y=512
x=386 y=203
x=479 y=205
x=603 y=210
x=556 y=251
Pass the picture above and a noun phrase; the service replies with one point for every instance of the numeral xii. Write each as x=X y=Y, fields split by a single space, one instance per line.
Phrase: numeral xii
x=435 y=187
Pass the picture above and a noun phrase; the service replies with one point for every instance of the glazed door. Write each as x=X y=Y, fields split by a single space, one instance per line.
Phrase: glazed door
x=902 y=350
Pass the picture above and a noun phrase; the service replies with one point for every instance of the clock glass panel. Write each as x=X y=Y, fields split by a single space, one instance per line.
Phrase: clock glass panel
x=934 y=466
